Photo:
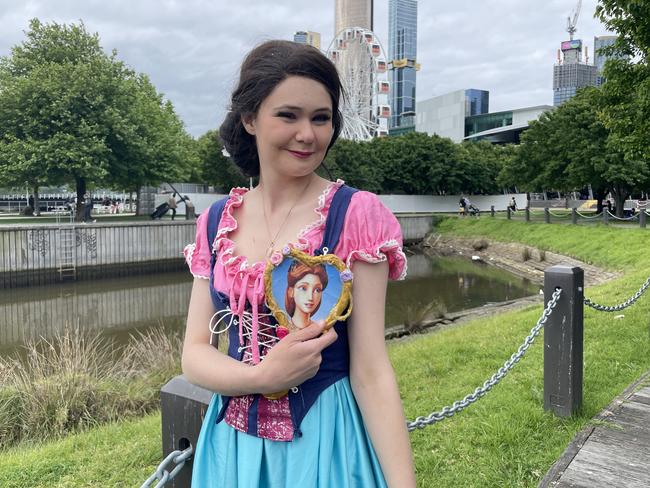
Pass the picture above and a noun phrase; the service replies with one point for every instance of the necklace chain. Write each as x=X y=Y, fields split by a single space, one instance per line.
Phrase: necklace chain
x=266 y=220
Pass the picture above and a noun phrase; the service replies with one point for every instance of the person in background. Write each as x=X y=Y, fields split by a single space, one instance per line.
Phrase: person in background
x=172 y=205
x=190 y=212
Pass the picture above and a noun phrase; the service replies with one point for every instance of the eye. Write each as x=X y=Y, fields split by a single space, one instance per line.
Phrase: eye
x=287 y=115
x=322 y=118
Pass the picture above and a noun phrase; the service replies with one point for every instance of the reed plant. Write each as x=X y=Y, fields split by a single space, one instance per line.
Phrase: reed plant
x=77 y=380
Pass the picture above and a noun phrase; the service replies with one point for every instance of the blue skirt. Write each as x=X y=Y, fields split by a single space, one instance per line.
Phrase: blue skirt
x=334 y=451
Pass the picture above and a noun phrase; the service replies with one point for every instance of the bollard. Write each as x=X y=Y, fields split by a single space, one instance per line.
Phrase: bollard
x=563 y=335
x=605 y=215
x=547 y=216
x=574 y=216
x=509 y=212
x=642 y=218
x=527 y=214
x=491 y=210
x=182 y=408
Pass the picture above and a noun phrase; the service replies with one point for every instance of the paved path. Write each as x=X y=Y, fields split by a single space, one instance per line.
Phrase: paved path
x=613 y=453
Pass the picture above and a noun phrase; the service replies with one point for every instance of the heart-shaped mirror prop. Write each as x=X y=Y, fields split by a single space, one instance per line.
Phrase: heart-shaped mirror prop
x=301 y=289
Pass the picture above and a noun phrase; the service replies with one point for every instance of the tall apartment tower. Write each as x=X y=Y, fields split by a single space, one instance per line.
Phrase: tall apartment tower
x=352 y=13
x=307 y=37
x=570 y=73
x=402 y=53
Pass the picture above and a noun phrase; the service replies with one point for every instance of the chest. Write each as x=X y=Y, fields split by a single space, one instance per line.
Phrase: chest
x=255 y=235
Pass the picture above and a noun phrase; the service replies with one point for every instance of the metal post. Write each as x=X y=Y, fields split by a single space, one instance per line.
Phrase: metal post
x=182 y=408
x=642 y=218
x=574 y=216
x=509 y=213
x=547 y=215
x=563 y=337
x=605 y=216
x=527 y=214
x=491 y=210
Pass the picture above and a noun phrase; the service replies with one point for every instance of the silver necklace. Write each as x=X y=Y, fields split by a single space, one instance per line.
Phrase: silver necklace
x=272 y=240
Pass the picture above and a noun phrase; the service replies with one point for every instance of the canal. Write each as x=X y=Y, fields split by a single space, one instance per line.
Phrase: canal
x=119 y=307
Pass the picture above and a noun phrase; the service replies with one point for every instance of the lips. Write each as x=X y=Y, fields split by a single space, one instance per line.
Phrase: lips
x=301 y=154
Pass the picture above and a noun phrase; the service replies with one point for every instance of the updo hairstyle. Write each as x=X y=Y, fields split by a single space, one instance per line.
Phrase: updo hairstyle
x=262 y=70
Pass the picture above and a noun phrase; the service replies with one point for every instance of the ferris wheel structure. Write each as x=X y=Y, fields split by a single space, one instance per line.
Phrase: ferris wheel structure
x=363 y=69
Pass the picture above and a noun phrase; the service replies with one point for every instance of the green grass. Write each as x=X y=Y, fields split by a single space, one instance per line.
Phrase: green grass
x=116 y=455
x=504 y=440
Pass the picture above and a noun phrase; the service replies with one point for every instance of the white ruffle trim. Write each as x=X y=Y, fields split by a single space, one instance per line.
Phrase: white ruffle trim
x=380 y=254
x=188 y=252
x=227 y=257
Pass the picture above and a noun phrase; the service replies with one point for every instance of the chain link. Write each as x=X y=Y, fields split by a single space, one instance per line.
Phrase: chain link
x=620 y=306
x=162 y=474
x=459 y=405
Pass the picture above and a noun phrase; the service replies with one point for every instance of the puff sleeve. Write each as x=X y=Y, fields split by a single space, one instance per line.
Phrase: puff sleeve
x=197 y=255
x=371 y=233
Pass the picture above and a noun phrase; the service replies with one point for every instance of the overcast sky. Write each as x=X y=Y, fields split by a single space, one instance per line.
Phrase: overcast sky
x=191 y=49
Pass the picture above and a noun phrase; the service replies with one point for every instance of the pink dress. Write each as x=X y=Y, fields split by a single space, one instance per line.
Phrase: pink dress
x=370 y=233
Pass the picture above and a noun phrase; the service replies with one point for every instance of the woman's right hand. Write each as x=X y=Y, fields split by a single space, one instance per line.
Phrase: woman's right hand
x=295 y=358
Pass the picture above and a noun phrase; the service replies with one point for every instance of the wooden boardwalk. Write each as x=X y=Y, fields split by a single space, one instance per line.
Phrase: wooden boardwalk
x=613 y=453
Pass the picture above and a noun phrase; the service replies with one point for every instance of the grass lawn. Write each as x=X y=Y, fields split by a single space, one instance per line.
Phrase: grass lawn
x=504 y=440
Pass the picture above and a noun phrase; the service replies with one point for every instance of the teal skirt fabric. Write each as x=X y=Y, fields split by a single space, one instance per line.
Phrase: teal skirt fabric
x=333 y=452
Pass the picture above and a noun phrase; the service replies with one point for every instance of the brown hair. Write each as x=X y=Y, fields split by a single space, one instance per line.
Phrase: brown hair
x=298 y=271
x=263 y=69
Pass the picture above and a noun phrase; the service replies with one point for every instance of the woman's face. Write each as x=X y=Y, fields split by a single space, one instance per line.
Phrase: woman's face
x=293 y=127
x=307 y=293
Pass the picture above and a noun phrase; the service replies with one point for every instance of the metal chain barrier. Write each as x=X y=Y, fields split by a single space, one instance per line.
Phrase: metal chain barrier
x=559 y=216
x=459 y=405
x=622 y=218
x=162 y=474
x=620 y=306
x=599 y=214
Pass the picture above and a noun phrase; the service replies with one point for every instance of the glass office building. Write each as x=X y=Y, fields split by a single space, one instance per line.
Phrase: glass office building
x=478 y=102
x=307 y=37
x=402 y=54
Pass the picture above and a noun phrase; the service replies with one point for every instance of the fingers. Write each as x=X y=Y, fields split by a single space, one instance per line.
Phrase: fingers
x=312 y=330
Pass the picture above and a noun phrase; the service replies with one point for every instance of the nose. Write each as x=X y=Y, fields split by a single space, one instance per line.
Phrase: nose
x=305 y=132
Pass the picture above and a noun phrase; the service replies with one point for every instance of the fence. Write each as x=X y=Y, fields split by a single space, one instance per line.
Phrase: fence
x=183 y=405
x=44 y=254
x=574 y=216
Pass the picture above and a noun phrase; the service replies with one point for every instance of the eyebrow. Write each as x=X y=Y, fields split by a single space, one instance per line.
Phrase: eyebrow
x=292 y=107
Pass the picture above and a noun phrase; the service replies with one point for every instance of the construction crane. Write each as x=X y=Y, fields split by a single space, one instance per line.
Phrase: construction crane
x=573 y=20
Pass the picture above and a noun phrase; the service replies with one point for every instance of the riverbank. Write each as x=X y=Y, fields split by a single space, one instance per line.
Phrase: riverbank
x=506 y=439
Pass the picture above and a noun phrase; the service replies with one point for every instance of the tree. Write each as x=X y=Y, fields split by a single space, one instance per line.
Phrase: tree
x=570 y=148
x=626 y=93
x=214 y=167
x=70 y=113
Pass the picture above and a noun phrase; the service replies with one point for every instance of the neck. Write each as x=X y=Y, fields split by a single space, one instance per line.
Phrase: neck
x=300 y=319
x=282 y=193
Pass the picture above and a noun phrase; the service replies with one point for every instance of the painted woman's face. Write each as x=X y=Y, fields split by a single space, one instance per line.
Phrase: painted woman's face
x=307 y=293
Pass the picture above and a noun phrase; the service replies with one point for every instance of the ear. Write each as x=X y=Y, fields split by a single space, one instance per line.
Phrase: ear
x=290 y=291
x=248 y=121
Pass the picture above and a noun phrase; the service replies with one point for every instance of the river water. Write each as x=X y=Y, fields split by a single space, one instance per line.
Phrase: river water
x=122 y=306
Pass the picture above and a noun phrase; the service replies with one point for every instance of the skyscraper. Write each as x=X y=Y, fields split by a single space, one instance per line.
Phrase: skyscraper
x=570 y=73
x=307 y=37
x=600 y=58
x=352 y=13
x=402 y=53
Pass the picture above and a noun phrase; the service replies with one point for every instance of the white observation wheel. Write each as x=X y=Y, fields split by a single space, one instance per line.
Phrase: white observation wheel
x=361 y=63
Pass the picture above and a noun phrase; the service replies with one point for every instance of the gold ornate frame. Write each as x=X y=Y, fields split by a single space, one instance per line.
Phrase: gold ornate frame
x=340 y=311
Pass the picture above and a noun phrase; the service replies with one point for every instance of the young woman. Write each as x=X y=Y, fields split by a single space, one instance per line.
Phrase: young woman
x=305 y=285
x=341 y=424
